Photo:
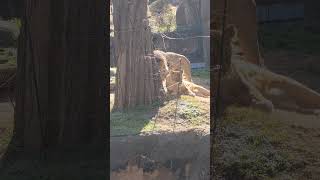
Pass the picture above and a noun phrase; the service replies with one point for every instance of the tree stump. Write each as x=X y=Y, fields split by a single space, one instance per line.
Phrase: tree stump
x=136 y=83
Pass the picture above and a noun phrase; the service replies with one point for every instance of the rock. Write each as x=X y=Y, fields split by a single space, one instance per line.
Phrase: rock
x=194 y=15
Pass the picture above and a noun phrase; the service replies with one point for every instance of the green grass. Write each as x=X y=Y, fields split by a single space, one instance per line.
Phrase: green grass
x=193 y=110
x=132 y=121
x=5 y=137
x=289 y=37
x=8 y=57
x=190 y=109
x=249 y=145
x=266 y=124
x=17 y=22
x=142 y=119
x=256 y=145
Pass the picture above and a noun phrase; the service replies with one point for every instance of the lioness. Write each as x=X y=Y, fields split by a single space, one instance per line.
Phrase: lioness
x=175 y=79
x=176 y=62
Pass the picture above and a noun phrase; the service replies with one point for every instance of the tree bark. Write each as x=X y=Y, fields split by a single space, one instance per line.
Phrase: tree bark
x=135 y=80
x=60 y=95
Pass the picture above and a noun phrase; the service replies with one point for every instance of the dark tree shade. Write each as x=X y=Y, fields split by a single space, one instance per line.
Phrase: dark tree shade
x=11 y=8
x=61 y=75
x=312 y=15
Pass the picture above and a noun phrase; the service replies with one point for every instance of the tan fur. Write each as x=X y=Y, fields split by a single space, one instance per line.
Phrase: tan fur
x=263 y=88
x=176 y=62
x=174 y=80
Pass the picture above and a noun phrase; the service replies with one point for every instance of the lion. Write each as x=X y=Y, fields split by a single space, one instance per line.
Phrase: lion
x=176 y=80
x=175 y=62
x=247 y=83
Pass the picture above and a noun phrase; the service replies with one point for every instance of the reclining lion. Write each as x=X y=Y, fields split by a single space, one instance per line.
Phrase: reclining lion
x=246 y=83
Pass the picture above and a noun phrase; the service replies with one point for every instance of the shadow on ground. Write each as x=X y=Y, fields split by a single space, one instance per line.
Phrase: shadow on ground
x=172 y=156
x=80 y=163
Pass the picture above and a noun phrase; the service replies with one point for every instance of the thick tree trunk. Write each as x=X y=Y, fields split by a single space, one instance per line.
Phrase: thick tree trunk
x=60 y=98
x=135 y=82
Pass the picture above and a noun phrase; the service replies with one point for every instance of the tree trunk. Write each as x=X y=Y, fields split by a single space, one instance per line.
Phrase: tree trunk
x=60 y=95
x=135 y=81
